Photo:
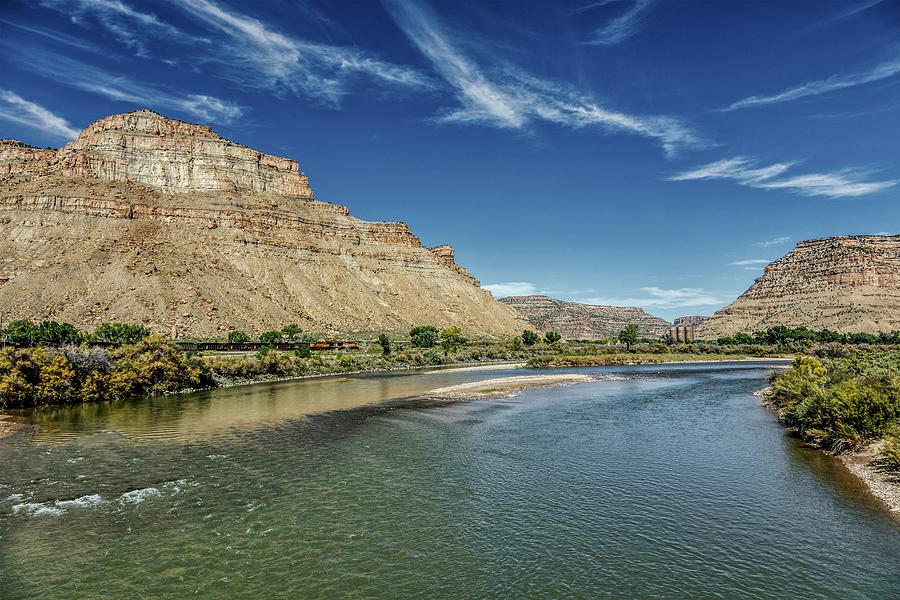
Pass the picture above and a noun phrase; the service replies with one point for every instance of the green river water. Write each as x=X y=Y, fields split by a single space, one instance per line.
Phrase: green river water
x=649 y=482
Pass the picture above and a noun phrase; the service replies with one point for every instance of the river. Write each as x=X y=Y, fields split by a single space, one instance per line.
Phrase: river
x=652 y=481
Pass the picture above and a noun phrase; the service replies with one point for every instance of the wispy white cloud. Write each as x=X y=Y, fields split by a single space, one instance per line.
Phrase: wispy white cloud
x=512 y=288
x=126 y=23
x=122 y=89
x=528 y=288
x=661 y=298
x=56 y=36
x=750 y=262
x=621 y=27
x=264 y=56
x=19 y=110
x=814 y=88
x=836 y=184
x=512 y=99
x=773 y=242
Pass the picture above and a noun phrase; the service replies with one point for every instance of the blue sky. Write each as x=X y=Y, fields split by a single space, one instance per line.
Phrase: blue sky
x=623 y=152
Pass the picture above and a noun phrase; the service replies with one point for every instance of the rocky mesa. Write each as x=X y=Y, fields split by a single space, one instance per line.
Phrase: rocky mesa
x=848 y=284
x=152 y=220
x=576 y=321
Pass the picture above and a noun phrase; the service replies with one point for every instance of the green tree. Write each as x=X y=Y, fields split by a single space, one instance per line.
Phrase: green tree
x=385 y=342
x=515 y=343
x=423 y=336
x=121 y=333
x=451 y=339
x=629 y=336
x=529 y=338
x=237 y=336
x=292 y=332
x=742 y=338
x=270 y=337
x=21 y=332
x=552 y=337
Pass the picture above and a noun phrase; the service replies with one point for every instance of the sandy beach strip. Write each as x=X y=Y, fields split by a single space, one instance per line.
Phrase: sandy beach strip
x=502 y=386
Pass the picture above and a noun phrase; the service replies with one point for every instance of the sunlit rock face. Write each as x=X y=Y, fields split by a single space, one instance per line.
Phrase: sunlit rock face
x=846 y=284
x=147 y=219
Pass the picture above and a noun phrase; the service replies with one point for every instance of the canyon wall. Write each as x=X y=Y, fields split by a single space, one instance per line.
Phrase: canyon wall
x=150 y=220
x=576 y=321
x=847 y=284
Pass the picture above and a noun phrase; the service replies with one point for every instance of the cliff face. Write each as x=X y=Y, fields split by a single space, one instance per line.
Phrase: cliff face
x=692 y=321
x=847 y=284
x=584 y=321
x=162 y=222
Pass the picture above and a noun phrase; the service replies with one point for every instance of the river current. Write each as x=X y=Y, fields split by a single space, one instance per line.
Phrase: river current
x=650 y=482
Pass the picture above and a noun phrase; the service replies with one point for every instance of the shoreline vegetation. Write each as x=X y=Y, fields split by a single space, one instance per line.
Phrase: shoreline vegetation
x=54 y=363
x=846 y=402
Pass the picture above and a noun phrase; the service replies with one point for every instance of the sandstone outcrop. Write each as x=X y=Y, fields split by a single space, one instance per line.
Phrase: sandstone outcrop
x=146 y=219
x=689 y=321
x=576 y=321
x=847 y=284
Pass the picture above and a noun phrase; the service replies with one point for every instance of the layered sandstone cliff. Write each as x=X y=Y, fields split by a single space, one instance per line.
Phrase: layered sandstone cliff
x=847 y=284
x=690 y=321
x=151 y=220
x=576 y=321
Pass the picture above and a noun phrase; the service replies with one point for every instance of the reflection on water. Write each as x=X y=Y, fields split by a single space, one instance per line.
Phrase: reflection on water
x=208 y=413
x=673 y=482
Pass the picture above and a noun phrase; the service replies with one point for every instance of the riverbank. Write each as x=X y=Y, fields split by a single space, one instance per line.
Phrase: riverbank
x=622 y=359
x=867 y=462
x=504 y=386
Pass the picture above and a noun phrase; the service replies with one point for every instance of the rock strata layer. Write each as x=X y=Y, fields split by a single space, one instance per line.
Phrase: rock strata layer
x=690 y=321
x=146 y=219
x=847 y=284
x=576 y=321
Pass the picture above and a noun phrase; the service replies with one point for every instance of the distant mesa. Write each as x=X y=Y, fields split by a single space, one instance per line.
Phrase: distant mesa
x=691 y=321
x=152 y=220
x=576 y=321
x=849 y=284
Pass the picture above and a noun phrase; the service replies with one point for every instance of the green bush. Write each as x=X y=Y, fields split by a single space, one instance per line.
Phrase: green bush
x=842 y=402
x=120 y=333
x=529 y=338
x=423 y=336
x=385 y=342
x=451 y=339
x=38 y=376
x=292 y=332
x=237 y=336
x=270 y=337
x=51 y=333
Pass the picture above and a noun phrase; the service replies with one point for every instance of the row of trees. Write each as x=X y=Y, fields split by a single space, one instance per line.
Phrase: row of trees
x=288 y=333
x=451 y=338
x=781 y=334
x=52 y=333
x=428 y=336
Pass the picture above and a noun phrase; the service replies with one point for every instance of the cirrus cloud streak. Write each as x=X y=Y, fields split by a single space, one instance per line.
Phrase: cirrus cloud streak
x=836 y=184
